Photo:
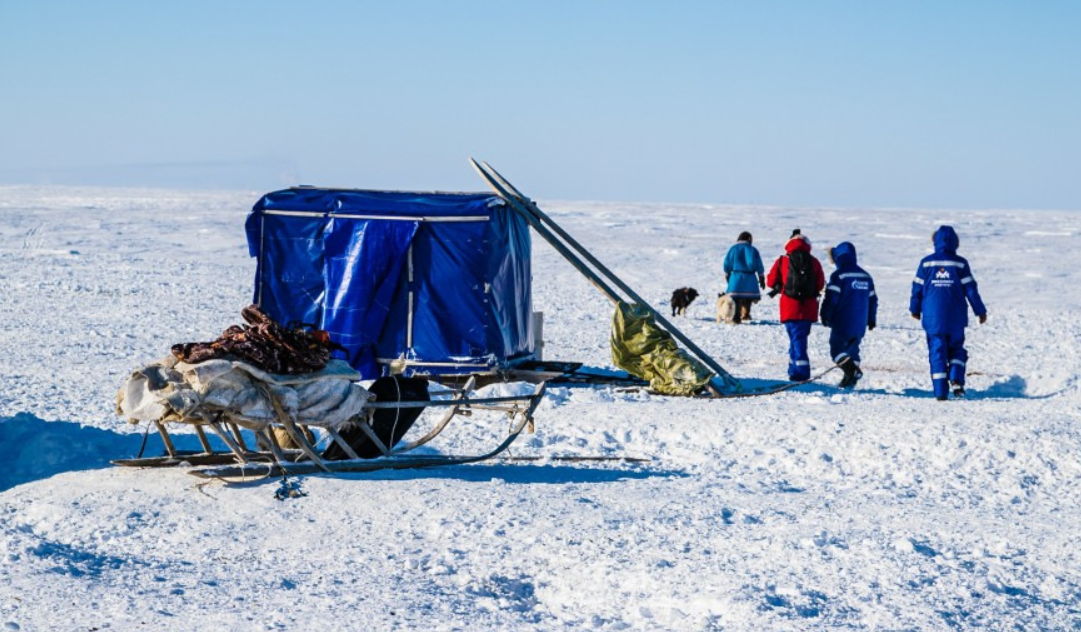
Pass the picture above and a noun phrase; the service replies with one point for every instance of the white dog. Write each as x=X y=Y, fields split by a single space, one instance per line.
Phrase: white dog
x=726 y=308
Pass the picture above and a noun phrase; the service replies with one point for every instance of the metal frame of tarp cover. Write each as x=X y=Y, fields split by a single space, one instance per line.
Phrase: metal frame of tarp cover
x=428 y=282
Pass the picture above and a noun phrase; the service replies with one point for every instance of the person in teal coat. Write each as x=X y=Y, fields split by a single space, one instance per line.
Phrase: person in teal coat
x=745 y=274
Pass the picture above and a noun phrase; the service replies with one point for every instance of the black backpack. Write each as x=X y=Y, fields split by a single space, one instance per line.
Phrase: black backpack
x=800 y=282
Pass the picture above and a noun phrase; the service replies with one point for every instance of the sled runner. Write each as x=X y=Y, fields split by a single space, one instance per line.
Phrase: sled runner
x=519 y=409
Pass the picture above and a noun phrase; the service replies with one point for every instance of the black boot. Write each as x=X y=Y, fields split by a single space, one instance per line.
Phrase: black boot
x=958 y=389
x=856 y=374
x=849 y=368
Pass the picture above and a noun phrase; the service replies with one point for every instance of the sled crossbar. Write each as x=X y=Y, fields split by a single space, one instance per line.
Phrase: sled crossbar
x=437 y=403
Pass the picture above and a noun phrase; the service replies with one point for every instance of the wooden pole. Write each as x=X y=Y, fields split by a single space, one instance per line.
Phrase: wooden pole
x=342 y=443
x=543 y=232
x=272 y=444
x=238 y=436
x=294 y=433
x=443 y=403
x=530 y=210
x=224 y=436
x=202 y=439
x=165 y=438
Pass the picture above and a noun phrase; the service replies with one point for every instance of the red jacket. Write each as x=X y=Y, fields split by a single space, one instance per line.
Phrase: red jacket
x=791 y=309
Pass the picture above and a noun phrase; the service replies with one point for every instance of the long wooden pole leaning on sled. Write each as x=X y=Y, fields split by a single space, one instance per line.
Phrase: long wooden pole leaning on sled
x=556 y=236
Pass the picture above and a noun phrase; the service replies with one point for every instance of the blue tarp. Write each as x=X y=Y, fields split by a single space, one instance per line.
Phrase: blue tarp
x=340 y=260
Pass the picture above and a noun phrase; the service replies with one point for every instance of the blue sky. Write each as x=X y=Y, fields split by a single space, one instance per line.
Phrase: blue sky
x=932 y=104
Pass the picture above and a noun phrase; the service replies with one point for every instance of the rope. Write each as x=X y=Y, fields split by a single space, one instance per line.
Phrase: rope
x=143 y=446
x=397 y=413
x=269 y=462
x=776 y=389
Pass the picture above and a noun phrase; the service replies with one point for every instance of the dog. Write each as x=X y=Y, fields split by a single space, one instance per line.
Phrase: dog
x=682 y=299
x=726 y=309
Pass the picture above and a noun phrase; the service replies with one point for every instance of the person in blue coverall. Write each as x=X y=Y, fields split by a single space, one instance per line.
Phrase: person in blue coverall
x=942 y=284
x=745 y=275
x=849 y=310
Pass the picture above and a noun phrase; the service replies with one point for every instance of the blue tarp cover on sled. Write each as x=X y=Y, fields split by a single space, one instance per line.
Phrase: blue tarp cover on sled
x=440 y=280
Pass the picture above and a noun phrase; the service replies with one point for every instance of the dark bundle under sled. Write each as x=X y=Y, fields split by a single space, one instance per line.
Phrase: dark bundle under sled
x=389 y=424
x=263 y=343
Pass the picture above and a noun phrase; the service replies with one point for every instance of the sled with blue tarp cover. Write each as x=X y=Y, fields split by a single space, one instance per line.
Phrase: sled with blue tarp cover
x=405 y=282
x=405 y=285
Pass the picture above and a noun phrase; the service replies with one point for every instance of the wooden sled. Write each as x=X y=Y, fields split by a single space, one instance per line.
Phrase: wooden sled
x=270 y=458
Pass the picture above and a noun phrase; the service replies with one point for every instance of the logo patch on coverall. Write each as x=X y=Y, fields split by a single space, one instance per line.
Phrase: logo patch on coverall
x=942 y=277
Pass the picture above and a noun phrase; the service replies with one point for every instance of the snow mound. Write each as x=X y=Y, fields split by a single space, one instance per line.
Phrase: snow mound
x=45 y=448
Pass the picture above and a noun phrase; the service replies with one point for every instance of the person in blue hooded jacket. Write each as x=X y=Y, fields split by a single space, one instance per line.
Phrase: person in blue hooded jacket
x=745 y=274
x=849 y=310
x=942 y=284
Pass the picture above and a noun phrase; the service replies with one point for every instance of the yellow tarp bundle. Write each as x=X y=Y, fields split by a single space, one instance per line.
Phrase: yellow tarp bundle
x=644 y=350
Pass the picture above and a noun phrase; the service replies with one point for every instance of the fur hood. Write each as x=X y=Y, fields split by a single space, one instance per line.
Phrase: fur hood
x=798 y=242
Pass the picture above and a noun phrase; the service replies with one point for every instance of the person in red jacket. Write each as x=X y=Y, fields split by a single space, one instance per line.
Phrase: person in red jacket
x=797 y=276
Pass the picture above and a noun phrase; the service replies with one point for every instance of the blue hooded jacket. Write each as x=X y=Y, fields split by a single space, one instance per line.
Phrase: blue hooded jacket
x=744 y=266
x=851 y=303
x=942 y=283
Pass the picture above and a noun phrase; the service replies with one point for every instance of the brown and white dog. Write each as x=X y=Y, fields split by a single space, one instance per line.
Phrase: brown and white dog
x=726 y=309
x=682 y=299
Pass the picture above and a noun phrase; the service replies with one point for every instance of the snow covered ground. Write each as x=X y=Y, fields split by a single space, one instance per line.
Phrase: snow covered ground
x=812 y=509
